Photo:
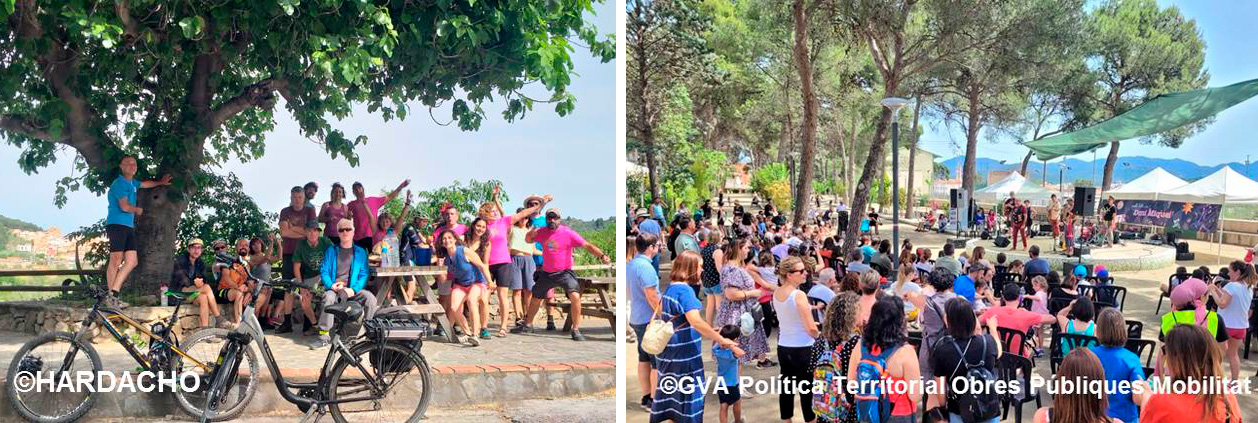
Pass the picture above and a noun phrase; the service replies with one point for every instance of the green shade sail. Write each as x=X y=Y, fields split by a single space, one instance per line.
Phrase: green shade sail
x=1163 y=113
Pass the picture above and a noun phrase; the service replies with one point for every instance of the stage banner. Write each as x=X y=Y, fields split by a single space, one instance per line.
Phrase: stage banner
x=1170 y=214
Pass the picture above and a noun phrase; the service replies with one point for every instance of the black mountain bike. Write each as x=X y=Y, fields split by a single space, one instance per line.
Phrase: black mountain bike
x=381 y=377
x=58 y=356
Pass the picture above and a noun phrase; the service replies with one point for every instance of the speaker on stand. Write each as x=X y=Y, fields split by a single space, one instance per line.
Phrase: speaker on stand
x=961 y=206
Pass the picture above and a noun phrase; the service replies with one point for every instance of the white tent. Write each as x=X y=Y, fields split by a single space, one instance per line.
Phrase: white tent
x=1148 y=186
x=1226 y=186
x=1023 y=189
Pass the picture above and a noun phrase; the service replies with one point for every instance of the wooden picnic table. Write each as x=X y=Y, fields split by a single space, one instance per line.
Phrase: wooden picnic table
x=602 y=287
x=390 y=278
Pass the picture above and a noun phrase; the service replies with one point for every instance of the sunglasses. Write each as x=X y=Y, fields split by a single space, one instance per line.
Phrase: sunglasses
x=794 y=271
x=343 y=230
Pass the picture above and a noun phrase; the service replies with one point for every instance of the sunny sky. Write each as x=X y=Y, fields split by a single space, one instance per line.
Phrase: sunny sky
x=1227 y=27
x=572 y=157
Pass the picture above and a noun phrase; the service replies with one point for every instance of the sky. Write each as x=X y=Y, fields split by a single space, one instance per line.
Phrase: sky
x=572 y=158
x=1226 y=26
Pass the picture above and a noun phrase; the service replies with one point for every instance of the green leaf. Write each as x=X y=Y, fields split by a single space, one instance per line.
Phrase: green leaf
x=192 y=26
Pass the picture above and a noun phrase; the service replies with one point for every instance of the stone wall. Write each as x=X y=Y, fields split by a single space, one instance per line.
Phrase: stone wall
x=38 y=317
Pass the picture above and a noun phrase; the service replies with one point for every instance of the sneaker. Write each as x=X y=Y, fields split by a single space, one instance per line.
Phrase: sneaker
x=319 y=343
x=310 y=331
x=484 y=334
x=284 y=328
x=471 y=340
x=522 y=329
x=1039 y=353
x=764 y=364
x=646 y=402
x=550 y=325
x=577 y=336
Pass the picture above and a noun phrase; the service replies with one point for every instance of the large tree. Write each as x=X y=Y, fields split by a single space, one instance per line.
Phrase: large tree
x=189 y=85
x=1139 y=51
x=1020 y=43
x=665 y=47
x=906 y=38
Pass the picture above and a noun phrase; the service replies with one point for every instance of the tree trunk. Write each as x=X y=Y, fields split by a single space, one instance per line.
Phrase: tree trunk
x=908 y=191
x=1110 y=161
x=644 y=122
x=1025 y=161
x=155 y=236
x=848 y=186
x=973 y=125
x=860 y=197
x=784 y=138
x=803 y=191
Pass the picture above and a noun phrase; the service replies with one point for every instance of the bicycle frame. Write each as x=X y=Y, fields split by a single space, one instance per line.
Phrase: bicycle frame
x=108 y=317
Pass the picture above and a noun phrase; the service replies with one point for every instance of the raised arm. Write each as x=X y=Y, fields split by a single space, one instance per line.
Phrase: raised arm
x=153 y=183
x=401 y=218
x=1062 y=320
x=524 y=214
x=396 y=191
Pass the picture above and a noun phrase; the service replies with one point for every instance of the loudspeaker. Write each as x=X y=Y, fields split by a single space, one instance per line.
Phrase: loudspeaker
x=957 y=243
x=1085 y=201
x=1081 y=251
x=1001 y=241
x=954 y=198
x=1185 y=257
x=1181 y=248
x=1172 y=238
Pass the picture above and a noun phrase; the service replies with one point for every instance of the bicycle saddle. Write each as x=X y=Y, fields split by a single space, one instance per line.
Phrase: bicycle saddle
x=179 y=297
x=347 y=311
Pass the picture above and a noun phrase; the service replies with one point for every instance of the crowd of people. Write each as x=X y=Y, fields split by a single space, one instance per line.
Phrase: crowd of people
x=521 y=258
x=870 y=315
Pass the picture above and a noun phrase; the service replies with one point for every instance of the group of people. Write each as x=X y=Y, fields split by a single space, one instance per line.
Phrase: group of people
x=329 y=250
x=848 y=314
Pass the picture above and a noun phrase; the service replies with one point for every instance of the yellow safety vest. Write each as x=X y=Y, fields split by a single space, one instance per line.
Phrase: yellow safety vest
x=1169 y=320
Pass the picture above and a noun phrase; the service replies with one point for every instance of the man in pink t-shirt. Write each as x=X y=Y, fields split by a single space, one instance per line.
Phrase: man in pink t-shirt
x=557 y=241
x=1012 y=317
x=363 y=212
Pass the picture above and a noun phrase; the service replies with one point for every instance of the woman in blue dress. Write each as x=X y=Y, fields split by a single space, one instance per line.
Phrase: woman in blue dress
x=679 y=394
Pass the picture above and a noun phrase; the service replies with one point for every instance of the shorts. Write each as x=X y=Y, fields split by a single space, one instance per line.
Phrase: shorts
x=468 y=288
x=643 y=357
x=505 y=275
x=220 y=296
x=728 y=395
x=1237 y=334
x=286 y=267
x=365 y=243
x=121 y=238
x=714 y=290
x=550 y=280
x=524 y=267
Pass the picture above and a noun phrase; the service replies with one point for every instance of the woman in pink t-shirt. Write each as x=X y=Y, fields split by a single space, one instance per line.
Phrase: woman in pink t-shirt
x=501 y=267
x=333 y=211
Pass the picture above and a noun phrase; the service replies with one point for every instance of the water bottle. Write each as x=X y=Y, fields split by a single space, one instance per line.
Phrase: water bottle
x=163 y=297
x=384 y=256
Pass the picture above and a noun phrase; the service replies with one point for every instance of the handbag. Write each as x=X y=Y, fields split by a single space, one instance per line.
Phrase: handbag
x=749 y=318
x=657 y=334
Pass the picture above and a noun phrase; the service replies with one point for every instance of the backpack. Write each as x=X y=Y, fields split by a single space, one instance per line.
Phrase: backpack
x=872 y=403
x=830 y=401
x=981 y=406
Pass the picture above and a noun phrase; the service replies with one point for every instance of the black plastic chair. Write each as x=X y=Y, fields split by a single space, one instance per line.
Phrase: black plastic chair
x=1110 y=294
x=1140 y=346
x=1135 y=329
x=1010 y=337
x=1056 y=304
x=1253 y=320
x=1170 y=283
x=1015 y=369
x=1062 y=341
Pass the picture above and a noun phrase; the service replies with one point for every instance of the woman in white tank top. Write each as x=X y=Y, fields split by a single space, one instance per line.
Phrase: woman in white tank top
x=797 y=331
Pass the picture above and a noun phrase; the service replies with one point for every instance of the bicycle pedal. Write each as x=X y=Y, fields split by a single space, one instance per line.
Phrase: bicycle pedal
x=314 y=413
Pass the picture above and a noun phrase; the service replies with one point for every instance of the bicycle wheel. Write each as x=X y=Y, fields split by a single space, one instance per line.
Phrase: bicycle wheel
x=48 y=357
x=401 y=378
x=203 y=346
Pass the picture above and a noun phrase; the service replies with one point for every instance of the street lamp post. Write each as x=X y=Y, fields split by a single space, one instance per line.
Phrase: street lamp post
x=895 y=103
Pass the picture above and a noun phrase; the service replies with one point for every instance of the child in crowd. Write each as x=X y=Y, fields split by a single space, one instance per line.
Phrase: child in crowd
x=1039 y=304
x=727 y=390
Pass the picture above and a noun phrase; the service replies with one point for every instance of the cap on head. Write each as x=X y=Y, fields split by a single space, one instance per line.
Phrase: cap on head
x=312 y=224
x=218 y=243
x=1080 y=271
x=196 y=242
x=554 y=212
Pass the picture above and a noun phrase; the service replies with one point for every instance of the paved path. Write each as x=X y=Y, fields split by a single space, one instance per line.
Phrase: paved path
x=1142 y=295
x=593 y=409
x=291 y=351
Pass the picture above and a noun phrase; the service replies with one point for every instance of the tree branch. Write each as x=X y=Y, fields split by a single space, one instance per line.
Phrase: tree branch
x=261 y=94
x=21 y=125
x=130 y=30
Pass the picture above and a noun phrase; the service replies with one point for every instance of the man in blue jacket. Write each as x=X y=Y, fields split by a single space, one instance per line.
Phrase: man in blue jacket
x=344 y=276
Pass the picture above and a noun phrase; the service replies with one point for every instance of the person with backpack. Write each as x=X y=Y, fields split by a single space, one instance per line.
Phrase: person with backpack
x=1081 y=365
x=965 y=353
x=741 y=286
x=796 y=334
x=831 y=400
x=883 y=355
x=932 y=314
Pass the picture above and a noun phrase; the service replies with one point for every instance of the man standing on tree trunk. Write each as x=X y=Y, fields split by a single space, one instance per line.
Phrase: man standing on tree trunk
x=120 y=226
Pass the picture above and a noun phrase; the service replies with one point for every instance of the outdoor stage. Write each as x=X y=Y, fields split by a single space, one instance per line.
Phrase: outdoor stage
x=1134 y=255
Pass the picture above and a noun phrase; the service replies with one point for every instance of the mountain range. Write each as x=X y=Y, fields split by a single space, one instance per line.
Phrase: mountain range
x=1127 y=168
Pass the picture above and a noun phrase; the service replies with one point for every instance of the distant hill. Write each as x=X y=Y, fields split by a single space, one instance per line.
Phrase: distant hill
x=1127 y=169
x=584 y=226
x=11 y=223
